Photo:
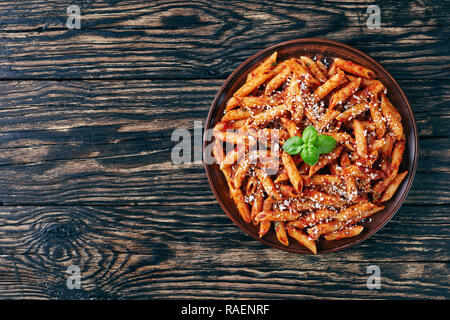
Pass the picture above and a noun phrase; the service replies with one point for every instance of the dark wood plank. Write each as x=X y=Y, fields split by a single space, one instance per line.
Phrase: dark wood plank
x=209 y=39
x=110 y=54
x=421 y=233
x=171 y=15
x=128 y=276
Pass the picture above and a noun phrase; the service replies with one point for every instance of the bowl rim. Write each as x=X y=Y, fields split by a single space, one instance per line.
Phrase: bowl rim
x=414 y=145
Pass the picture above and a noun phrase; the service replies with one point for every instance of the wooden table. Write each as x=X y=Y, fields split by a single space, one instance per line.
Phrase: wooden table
x=86 y=175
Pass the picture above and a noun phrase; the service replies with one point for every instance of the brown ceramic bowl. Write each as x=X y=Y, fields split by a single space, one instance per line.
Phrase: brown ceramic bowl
x=329 y=49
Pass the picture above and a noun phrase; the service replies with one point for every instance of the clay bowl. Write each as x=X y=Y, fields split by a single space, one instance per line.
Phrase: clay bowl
x=328 y=49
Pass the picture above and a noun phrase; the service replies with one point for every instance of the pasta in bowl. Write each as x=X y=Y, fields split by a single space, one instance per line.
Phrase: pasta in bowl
x=309 y=146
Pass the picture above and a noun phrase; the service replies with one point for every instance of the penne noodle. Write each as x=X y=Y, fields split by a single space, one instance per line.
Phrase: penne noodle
x=230 y=159
x=294 y=99
x=388 y=104
x=291 y=127
x=314 y=68
x=328 y=227
x=396 y=159
x=248 y=87
x=301 y=72
x=264 y=227
x=347 y=232
x=354 y=68
x=241 y=205
x=340 y=137
x=390 y=190
x=267 y=184
x=388 y=145
x=360 y=139
x=264 y=66
x=288 y=191
x=321 y=180
x=377 y=145
x=241 y=172
x=391 y=119
x=292 y=172
x=326 y=120
x=367 y=92
x=251 y=186
x=217 y=152
x=325 y=159
x=254 y=102
x=350 y=187
x=323 y=198
x=269 y=115
x=341 y=96
x=263 y=131
x=280 y=231
x=302 y=238
x=313 y=218
x=332 y=70
x=236 y=114
x=277 y=216
x=322 y=67
x=377 y=118
x=335 y=81
x=352 y=112
x=278 y=79
x=354 y=211
x=257 y=206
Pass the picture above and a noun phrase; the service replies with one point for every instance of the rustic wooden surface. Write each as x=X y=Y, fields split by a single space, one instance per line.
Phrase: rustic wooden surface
x=85 y=171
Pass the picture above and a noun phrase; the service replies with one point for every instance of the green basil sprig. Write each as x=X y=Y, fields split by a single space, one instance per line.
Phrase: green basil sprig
x=310 y=146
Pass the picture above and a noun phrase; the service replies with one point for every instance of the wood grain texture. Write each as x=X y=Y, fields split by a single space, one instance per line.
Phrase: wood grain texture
x=209 y=39
x=86 y=118
x=181 y=230
x=170 y=15
x=119 y=276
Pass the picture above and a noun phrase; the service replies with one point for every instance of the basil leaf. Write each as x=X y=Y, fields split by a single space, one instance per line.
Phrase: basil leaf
x=293 y=145
x=310 y=135
x=325 y=143
x=310 y=155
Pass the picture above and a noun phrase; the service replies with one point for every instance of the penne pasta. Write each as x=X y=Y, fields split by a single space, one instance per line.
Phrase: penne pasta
x=354 y=68
x=339 y=97
x=347 y=232
x=302 y=238
x=280 y=231
x=360 y=139
x=352 y=112
x=277 y=216
x=311 y=184
x=335 y=81
x=267 y=184
x=292 y=172
x=325 y=159
x=314 y=68
x=278 y=79
x=393 y=186
x=264 y=66
x=392 y=120
x=377 y=118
